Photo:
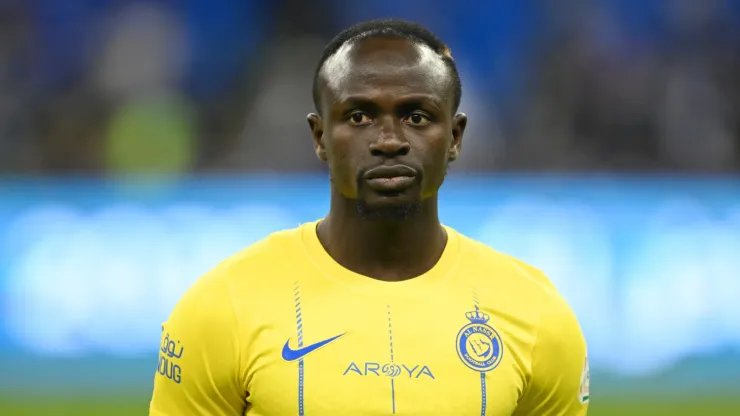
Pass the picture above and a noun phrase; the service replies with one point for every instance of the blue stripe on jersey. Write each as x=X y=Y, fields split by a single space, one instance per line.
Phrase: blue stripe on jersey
x=299 y=328
x=482 y=374
x=393 y=385
x=483 y=393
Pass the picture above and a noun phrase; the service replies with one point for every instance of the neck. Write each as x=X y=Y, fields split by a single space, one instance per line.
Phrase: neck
x=390 y=250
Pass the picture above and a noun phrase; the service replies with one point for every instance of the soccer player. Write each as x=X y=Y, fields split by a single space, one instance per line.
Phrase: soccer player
x=376 y=309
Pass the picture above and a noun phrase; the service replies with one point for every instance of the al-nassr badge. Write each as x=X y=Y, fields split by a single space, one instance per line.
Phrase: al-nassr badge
x=478 y=345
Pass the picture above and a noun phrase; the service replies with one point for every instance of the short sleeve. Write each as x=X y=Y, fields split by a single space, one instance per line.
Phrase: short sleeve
x=198 y=370
x=559 y=380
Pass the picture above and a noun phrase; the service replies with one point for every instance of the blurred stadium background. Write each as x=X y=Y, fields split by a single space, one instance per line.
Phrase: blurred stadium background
x=143 y=141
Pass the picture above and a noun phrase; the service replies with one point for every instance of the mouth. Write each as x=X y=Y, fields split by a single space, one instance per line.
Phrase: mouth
x=390 y=179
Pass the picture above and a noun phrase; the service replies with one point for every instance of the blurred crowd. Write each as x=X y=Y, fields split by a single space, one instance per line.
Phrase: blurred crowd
x=106 y=87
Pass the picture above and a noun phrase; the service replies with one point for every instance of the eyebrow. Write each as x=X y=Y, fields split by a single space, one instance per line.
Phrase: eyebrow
x=367 y=100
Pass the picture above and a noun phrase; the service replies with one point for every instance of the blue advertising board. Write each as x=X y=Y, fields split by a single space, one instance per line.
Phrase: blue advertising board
x=651 y=266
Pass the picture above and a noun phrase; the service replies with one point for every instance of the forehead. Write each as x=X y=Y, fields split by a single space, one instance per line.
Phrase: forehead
x=385 y=67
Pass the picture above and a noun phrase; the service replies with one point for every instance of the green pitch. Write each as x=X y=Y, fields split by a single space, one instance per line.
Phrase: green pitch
x=38 y=406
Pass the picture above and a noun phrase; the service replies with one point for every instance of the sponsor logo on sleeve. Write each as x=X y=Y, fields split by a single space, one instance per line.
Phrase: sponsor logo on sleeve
x=583 y=390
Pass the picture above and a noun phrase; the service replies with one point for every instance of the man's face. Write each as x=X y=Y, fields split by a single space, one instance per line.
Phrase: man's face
x=387 y=129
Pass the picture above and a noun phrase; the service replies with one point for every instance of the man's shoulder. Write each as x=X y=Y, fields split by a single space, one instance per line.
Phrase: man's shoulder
x=480 y=255
x=277 y=244
x=216 y=294
x=275 y=247
x=521 y=281
x=273 y=253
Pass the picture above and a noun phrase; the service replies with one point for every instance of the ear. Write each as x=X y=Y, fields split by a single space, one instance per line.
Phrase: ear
x=316 y=124
x=459 y=122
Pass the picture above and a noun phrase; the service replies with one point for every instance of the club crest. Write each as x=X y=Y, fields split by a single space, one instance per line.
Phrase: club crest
x=478 y=345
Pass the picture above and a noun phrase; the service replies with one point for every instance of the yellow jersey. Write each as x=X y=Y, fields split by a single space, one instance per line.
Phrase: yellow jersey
x=283 y=329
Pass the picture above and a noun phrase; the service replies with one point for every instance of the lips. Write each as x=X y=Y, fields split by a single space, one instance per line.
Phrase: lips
x=390 y=178
x=390 y=172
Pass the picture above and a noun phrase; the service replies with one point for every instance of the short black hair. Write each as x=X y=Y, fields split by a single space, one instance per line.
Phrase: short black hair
x=393 y=29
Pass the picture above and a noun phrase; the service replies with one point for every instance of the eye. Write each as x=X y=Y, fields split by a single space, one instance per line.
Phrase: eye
x=359 y=118
x=417 y=119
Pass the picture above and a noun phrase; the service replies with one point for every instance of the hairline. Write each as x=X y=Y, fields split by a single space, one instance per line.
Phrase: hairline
x=445 y=57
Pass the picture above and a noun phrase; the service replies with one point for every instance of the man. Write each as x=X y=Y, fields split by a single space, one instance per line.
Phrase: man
x=377 y=309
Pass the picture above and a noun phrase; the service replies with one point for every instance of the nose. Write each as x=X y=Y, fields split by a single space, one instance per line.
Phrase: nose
x=391 y=142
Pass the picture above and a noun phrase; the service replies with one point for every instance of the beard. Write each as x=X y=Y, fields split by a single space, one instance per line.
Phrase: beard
x=383 y=213
x=394 y=212
x=399 y=212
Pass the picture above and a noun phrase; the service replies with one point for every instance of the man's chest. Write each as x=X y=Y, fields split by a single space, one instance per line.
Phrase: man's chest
x=365 y=356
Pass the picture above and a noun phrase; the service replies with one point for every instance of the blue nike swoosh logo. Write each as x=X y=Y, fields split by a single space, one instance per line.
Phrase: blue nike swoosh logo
x=290 y=354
